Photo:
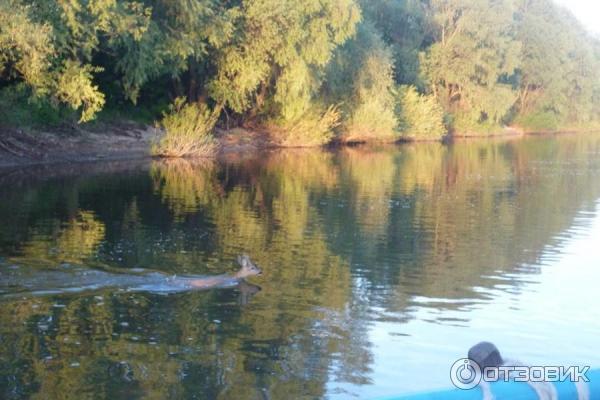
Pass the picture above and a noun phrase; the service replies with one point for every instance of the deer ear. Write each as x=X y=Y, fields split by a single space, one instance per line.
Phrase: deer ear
x=247 y=262
x=244 y=261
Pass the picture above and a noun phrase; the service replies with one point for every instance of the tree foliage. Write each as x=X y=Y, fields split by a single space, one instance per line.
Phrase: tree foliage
x=281 y=63
x=25 y=46
x=558 y=70
x=475 y=54
x=361 y=77
x=421 y=116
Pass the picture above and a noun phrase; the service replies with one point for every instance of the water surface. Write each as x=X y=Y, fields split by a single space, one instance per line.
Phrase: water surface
x=381 y=268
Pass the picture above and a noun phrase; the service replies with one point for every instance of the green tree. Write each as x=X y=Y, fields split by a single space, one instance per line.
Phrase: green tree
x=557 y=71
x=469 y=66
x=303 y=68
x=25 y=46
x=274 y=63
x=406 y=27
x=361 y=77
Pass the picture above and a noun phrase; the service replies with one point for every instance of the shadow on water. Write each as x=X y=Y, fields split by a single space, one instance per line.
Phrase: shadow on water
x=363 y=249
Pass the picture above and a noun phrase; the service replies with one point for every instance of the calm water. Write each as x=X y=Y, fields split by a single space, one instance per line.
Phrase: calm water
x=381 y=268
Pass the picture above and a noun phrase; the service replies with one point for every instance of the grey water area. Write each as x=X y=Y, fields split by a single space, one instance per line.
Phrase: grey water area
x=381 y=267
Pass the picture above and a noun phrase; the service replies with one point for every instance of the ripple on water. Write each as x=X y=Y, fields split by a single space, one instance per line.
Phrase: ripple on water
x=381 y=267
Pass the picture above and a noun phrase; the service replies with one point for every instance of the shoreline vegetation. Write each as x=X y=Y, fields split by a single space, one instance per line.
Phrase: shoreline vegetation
x=127 y=141
x=133 y=78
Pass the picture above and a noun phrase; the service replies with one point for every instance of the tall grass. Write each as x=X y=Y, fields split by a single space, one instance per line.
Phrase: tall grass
x=187 y=131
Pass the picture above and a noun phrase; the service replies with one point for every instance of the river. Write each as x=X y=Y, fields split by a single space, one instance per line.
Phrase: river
x=381 y=267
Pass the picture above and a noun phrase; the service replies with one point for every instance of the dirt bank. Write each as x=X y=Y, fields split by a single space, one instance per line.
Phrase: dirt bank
x=123 y=141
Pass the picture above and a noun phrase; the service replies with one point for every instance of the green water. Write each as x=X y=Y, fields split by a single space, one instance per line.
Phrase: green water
x=381 y=268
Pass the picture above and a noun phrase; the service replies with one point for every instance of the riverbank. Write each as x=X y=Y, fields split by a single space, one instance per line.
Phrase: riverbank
x=122 y=141
x=132 y=141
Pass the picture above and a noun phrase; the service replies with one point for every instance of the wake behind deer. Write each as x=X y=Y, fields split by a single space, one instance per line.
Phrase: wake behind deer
x=18 y=281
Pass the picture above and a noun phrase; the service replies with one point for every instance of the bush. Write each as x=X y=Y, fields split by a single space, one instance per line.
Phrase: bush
x=421 y=116
x=187 y=131
x=19 y=107
x=362 y=75
x=539 y=121
x=373 y=115
x=471 y=124
x=312 y=129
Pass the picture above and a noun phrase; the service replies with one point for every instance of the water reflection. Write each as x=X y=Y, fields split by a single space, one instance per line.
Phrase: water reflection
x=381 y=266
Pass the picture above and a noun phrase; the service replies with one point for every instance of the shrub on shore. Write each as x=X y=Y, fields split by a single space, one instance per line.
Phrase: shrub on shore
x=374 y=105
x=539 y=121
x=20 y=108
x=421 y=116
x=314 y=128
x=361 y=77
x=187 y=131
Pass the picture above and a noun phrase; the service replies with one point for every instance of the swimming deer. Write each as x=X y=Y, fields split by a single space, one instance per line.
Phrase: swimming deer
x=17 y=282
x=247 y=268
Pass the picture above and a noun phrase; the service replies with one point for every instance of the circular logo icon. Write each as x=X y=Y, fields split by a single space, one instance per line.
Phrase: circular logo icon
x=465 y=374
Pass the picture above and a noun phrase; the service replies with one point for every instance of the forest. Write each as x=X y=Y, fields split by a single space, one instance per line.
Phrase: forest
x=308 y=72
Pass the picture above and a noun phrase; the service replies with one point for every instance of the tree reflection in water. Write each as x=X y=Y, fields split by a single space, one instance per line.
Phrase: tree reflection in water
x=346 y=238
